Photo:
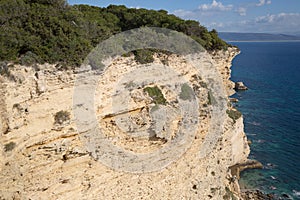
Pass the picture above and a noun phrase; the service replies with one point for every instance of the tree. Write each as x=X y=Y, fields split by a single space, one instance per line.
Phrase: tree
x=54 y=32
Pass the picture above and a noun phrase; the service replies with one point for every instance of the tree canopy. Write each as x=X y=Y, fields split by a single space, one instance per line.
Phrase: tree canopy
x=38 y=31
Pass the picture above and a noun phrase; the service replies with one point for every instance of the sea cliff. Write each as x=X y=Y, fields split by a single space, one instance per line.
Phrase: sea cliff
x=43 y=157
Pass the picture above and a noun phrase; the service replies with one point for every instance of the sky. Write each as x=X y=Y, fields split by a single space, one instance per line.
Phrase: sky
x=255 y=16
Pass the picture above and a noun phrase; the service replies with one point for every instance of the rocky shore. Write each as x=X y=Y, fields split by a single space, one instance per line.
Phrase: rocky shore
x=256 y=195
x=249 y=164
x=42 y=154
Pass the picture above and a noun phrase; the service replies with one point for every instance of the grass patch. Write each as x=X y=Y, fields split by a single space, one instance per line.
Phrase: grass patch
x=156 y=94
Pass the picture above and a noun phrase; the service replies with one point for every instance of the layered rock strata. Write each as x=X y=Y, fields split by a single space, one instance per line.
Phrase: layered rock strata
x=44 y=157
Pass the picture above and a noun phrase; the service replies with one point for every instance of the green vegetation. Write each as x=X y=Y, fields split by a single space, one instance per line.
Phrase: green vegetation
x=186 y=93
x=143 y=56
x=211 y=98
x=4 y=69
x=9 y=146
x=154 y=108
x=38 y=31
x=156 y=94
x=229 y=195
x=234 y=114
x=61 y=117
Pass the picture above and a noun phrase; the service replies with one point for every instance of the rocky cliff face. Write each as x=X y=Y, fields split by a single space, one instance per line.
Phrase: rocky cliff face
x=43 y=156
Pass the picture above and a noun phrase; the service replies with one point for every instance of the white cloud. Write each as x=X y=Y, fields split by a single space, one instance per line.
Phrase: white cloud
x=279 y=18
x=215 y=6
x=184 y=13
x=217 y=25
x=204 y=10
x=272 y=23
x=264 y=2
x=225 y=17
x=242 y=11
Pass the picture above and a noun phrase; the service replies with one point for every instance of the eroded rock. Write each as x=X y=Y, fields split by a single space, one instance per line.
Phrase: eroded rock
x=240 y=86
x=55 y=163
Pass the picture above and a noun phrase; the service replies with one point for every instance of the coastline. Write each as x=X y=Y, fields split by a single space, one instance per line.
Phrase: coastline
x=235 y=170
x=247 y=164
x=260 y=41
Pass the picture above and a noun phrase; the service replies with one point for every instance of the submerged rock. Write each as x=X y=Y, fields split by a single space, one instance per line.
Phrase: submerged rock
x=256 y=195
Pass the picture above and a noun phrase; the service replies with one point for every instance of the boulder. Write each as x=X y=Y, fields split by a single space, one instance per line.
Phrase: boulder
x=240 y=86
x=234 y=100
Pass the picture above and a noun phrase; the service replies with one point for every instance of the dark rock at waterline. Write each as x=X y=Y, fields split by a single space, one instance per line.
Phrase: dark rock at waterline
x=234 y=100
x=240 y=86
x=256 y=195
x=285 y=196
x=249 y=164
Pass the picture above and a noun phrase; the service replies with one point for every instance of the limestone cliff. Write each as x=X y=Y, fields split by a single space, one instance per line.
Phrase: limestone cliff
x=43 y=157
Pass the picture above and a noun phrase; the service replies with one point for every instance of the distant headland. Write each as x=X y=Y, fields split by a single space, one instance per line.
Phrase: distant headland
x=257 y=37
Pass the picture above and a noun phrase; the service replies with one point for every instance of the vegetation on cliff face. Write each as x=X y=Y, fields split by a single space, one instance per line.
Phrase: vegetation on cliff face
x=9 y=146
x=61 y=117
x=38 y=31
x=234 y=114
x=156 y=94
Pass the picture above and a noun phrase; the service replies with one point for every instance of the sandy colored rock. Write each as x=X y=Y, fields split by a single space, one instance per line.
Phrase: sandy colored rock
x=50 y=161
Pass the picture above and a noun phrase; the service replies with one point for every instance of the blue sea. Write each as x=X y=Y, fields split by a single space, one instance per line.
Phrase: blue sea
x=271 y=109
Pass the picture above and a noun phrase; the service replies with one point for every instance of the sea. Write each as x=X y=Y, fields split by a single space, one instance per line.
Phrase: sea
x=271 y=109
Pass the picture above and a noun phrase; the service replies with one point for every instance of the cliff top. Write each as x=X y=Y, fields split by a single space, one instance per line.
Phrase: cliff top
x=41 y=32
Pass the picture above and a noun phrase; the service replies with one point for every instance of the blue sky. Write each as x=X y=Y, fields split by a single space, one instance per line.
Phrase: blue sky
x=268 y=16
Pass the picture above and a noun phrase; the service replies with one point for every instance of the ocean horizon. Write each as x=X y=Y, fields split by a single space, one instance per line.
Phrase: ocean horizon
x=271 y=71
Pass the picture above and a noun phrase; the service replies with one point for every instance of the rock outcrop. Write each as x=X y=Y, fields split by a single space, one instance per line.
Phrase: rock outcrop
x=240 y=86
x=44 y=157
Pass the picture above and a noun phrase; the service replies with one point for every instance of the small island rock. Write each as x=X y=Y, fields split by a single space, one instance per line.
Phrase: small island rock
x=240 y=86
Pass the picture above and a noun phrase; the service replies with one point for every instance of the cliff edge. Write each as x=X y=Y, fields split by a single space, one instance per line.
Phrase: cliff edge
x=43 y=156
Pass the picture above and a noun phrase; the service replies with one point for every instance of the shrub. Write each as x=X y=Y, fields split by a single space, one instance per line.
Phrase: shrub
x=4 y=69
x=9 y=146
x=29 y=58
x=156 y=94
x=59 y=33
x=211 y=98
x=228 y=195
x=61 y=117
x=186 y=92
x=143 y=56
x=234 y=114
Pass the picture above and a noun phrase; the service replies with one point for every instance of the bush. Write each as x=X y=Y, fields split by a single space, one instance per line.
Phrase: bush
x=29 y=58
x=211 y=98
x=186 y=93
x=61 y=117
x=143 y=56
x=234 y=114
x=52 y=31
x=156 y=94
x=4 y=69
x=9 y=146
x=229 y=195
